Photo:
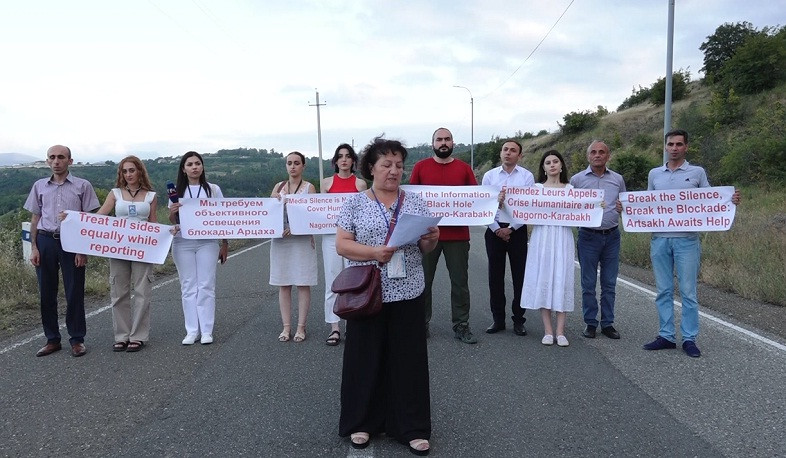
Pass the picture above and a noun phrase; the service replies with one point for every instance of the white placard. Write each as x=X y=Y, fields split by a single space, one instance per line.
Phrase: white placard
x=111 y=237
x=232 y=218
x=678 y=210
x=315 y=213
x=459 y=205
x=554 y=206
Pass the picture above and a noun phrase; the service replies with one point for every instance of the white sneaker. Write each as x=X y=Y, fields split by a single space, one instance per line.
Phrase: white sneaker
x=548 y=339
x=562 y=341
x=206 y=339
x=190 y=339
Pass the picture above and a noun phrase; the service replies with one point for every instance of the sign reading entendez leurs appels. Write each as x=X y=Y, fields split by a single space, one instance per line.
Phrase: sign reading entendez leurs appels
x=119 y=238
x=678 y=210
x=554 y=206
x=314 y=213
x=459 y=205
x=232 y=218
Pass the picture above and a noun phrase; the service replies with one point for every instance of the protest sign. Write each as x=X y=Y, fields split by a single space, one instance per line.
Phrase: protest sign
x=314 y=213
x=459 y=205
x=232 y=218
x=678 y=210
x=554 y=206
x=118 y=238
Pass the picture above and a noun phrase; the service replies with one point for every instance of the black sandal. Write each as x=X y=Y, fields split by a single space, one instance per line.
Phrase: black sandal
x=135 y=346
x=333 y=341
x=119 y=346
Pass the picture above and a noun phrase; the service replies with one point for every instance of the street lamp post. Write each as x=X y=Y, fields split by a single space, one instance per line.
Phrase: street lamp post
x=472 y=126
x=319 y=135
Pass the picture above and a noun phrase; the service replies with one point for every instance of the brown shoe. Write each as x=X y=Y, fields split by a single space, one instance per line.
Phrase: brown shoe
x=49 y=348
x=78 y=349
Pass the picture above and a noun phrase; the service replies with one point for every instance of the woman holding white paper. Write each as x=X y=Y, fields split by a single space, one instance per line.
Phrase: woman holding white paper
x=132 y=198
x=344 y=162
x=196 y=259
x=293 y=258
x=548 y=275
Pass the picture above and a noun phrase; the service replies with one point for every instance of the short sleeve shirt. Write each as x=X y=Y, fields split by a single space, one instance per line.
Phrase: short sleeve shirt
x=363 y=217
x=685 y=176
x=612 y=185
x=47 y=199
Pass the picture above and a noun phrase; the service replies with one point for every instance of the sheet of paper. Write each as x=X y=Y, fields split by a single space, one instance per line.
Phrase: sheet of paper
x=409 y=228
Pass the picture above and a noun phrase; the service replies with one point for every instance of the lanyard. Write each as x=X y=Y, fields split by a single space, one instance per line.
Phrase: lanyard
x=198 y=192
x=392 y=223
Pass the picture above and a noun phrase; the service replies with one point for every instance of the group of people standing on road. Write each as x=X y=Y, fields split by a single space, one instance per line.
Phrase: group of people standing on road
x=385 y=381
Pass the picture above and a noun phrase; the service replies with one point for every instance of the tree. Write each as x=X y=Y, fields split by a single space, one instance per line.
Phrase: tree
x=758 y=64
x=679 y=87
x=722 y=45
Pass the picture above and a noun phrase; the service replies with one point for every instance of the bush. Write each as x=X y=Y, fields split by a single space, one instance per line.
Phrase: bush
x=679 y=88
x=725 y=109
x=580 y=121
x=758 y=155
x=759 y=64
x=637 y=97
x=634 y=168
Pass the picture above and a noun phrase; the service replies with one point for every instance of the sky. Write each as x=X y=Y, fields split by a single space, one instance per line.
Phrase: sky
x=162 y=77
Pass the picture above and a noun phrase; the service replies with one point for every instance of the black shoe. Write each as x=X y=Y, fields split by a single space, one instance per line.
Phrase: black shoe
x=495 y=328
x=690 y=349
x=519 y=329
x=660 y=344
x=610 y=332
x=589 y=331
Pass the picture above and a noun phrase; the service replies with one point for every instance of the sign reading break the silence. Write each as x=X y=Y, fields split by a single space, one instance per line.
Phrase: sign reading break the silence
x=678 y=210
x=232 y=218
x=119 y=238
x=554 y=206
x=314 y=213
x=459 y=205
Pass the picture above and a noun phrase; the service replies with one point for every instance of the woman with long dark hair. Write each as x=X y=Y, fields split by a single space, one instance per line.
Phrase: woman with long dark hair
x=196 y=259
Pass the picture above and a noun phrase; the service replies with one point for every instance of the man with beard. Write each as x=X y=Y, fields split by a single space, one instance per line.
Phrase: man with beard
x=443 y=170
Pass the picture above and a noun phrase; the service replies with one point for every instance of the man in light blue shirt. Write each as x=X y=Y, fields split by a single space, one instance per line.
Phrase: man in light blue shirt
x=677 y=249
x=504 y=238
x=601 y=245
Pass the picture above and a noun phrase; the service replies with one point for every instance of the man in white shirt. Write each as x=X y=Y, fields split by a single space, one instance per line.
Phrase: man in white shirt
x=506 y=239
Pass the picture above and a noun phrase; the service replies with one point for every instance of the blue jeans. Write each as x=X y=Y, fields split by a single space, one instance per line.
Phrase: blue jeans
x=595 y=248
x=684 y=254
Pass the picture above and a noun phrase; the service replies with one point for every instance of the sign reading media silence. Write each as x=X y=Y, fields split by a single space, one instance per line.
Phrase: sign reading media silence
x=678 y=210
x=118 y=238
x=314 y=213
x=232 y=218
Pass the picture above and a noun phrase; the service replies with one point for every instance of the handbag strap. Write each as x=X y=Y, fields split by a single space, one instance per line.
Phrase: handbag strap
x=394 y=219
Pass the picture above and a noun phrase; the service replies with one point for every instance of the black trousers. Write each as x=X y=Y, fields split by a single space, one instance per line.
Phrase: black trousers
x=385 y=381
x=516 y=251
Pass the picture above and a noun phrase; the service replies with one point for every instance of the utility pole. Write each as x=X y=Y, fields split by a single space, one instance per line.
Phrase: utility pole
x=319 y=135
x=669 y=64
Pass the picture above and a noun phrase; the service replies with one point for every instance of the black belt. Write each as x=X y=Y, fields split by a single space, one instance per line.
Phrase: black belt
x=54 y=235
x=601 y=231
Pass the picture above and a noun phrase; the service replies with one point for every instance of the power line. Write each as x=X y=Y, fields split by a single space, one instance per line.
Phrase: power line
x=531 y=53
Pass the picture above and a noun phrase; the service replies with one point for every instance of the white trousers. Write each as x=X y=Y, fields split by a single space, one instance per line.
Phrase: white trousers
x=130 y=316
x=333 y=264
x=196 y=262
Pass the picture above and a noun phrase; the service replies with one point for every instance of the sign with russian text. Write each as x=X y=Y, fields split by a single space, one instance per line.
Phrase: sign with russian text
x=554 y=206
x=678 y=210
x=118 y=238
x=459 y=205
x=314 y=213
x=232 y=218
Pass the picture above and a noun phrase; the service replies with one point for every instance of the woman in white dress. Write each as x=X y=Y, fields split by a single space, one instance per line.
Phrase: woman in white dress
x=548 y=277
x=293 y=258
x=132 y=198
x=195 y=259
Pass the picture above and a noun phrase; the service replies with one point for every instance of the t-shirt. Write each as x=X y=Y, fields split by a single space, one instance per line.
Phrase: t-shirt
x=454 y=173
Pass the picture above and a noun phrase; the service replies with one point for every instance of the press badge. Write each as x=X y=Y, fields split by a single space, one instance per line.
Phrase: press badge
x=396 y=267
x=132 y=211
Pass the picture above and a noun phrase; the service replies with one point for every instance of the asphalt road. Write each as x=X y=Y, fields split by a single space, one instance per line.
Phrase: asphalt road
x=248 y=394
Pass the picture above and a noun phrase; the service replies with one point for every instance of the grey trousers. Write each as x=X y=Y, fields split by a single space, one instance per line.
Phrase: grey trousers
x=131 y=285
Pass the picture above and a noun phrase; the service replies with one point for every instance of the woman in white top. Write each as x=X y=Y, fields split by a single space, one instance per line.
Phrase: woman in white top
x=132 y=198
x=196 y=259
x=548 y=276
x=293 y=258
